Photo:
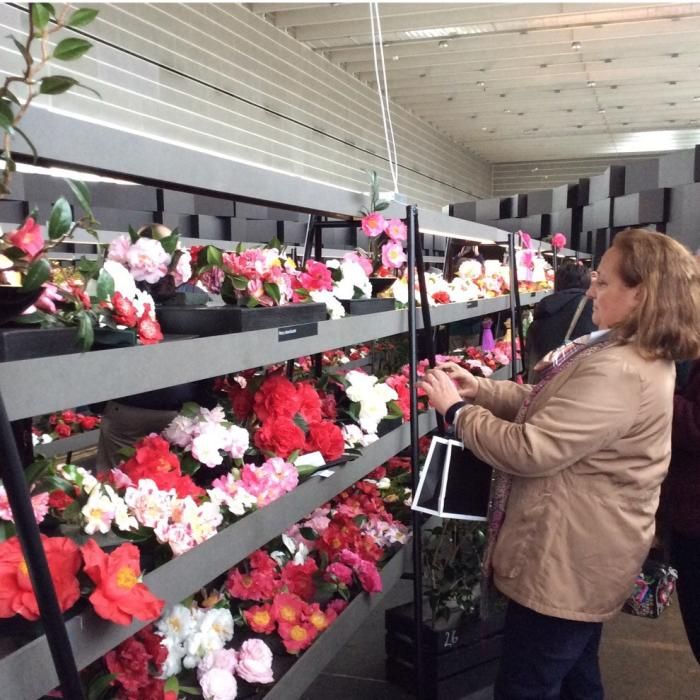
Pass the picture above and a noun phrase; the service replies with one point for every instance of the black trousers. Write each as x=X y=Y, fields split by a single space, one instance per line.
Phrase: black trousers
x=685 y=557
x=547 y=658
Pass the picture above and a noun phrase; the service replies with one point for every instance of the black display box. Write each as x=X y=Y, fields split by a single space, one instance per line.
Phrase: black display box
x=610 y=183
x=641 y=208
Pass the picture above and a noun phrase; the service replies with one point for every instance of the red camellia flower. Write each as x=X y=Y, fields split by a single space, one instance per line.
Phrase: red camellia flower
x=441 y=297
x=119 y=595
x=297 y=636
x=123 y=311
x=329 y=408
x=135 y=662
x=310 y=403
x=88 y=422
x=288 y=608
x=28 y=238
x=280 y=437
x=59 y=499
x=277 y=397
x=154 y=460
x=317 y=277
x=16 y=592
x=62 y=430
x=148 y=328
x=298 y=578
x=241 y=401
x=260 y=584
x=260 y=560
x=327 y=438
x=259 y=619
x=69 y=416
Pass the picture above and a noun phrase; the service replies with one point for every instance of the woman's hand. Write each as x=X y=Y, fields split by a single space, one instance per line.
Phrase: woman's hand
x=464 y=381
x=440 y=390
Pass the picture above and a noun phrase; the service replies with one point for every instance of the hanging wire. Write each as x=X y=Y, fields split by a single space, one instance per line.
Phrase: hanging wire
x=383 y=91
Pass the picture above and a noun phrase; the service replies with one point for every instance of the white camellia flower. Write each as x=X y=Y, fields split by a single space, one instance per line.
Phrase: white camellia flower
x=399 y=290
x=335 y=308
x=98 y=512
x=177 y=622
x=360 y=385
x=122 y=517
x=123 y=281
x=372 y=411
x=180 y=430
x=176 y=652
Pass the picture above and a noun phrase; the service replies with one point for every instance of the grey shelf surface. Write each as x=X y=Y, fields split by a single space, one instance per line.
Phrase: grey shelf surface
x=35 y=387
x=28 y=673
x=304 y=671
x=80 y=441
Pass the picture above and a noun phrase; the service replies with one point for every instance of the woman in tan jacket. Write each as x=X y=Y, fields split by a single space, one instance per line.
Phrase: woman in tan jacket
x=580 y=458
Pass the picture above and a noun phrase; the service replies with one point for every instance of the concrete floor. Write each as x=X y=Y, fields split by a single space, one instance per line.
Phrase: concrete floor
x=640 y=660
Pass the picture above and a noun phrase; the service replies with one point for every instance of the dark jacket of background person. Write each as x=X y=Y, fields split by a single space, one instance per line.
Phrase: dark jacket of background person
x=682 y=487
x=554 y=313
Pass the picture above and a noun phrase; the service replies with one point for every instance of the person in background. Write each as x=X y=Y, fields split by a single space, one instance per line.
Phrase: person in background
x=554 y=314
x=579 y=460
x=680 y=511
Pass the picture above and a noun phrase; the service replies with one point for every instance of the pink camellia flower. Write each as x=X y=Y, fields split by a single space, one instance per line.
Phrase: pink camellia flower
x=364 y=262
x=49 y=295
x=373 y=224
x=525 y=239
x=40 y=506
x=558 y=241
x=226 y=659
x=341 y=572
x=218 y=684
x=255 y=662
x=147 y=260
x=118 y=249
x=28 y=238
x=393 y=255
x=256 y=290
x=369 y=577
x=316 y=277
x=396 y=230
x=183 y=268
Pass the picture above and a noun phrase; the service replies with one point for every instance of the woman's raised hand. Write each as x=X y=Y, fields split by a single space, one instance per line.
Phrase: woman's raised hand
x=466 y=383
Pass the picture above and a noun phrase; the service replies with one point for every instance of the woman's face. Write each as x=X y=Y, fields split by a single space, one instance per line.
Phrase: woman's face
x=613 y=301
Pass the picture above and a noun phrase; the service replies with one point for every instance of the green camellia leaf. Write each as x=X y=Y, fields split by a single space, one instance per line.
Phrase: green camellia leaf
x=40 y=15
x=99 y=687
x=105 y=286
x=190 y=409
x=70 y=49
x=86 y=333
x=35 y=155
x=273 y=291
x=381 y=206
x=214 y=256
x=6 y=124
x=238 y=282
x=27 y=59
x=56 y=84
x=82 y=194
x=170 y=243
x=88 y=267
x=61 y=219
x=6 y=110
x=39 y=271
x=133 y=235
x=81 y=17
x=308 y=533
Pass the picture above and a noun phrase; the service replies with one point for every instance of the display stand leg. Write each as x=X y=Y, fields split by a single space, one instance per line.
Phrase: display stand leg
x=411 y=215
x=15 y=484
x=515 y=317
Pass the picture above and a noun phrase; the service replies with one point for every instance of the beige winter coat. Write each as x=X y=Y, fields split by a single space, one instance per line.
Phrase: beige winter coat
x=588 y=464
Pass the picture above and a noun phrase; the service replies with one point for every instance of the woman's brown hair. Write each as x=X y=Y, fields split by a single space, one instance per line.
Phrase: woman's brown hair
x=666 y=323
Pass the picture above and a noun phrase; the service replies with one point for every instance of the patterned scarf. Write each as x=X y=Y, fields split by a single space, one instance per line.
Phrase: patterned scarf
x=562 y=358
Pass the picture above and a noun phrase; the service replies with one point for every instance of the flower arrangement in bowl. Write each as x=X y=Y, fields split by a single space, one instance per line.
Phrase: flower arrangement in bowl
x=154 y=258
x=386 y=238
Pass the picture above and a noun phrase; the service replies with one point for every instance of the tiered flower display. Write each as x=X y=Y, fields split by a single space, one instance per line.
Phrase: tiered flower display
x=62 y=424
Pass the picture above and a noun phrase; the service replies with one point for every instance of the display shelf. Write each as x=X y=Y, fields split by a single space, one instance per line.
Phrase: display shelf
x=35 y=387
x=304 y=671
x=28 y=673
x=137 y=157
x=79 y=441
x=530 y=298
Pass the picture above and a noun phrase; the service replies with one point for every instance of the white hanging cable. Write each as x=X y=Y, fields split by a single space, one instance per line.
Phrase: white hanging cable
x=383 y=92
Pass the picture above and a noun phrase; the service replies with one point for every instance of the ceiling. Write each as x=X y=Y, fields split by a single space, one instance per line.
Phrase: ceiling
x=525 y=81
